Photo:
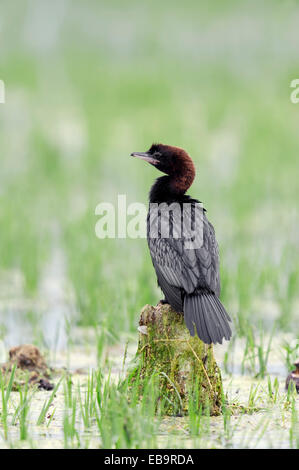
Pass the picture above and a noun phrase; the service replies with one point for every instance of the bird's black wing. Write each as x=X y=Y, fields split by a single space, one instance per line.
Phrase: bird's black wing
x=180 y=262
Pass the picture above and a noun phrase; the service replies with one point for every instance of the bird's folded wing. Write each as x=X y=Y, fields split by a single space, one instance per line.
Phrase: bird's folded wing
x=188 y=257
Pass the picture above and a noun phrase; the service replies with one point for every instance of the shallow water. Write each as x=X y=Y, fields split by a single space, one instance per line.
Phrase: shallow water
x=266 y=426
x=74 y=349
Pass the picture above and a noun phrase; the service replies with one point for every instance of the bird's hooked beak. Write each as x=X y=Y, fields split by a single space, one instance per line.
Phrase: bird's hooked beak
x=145 y=156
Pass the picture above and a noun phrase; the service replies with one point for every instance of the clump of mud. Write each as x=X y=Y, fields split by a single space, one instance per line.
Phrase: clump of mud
x=31 y=367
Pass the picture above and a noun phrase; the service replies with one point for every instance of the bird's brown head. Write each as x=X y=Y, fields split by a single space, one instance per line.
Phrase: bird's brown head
x=173 y=161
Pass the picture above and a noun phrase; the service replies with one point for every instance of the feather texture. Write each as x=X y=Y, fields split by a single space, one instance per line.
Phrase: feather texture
x=205 y=313
x=189 y=278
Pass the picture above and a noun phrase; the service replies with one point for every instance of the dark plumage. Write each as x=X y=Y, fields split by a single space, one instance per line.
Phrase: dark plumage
x=183 y=246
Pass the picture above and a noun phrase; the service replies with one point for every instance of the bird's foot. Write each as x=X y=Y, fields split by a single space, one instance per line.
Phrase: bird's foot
x=163 y=302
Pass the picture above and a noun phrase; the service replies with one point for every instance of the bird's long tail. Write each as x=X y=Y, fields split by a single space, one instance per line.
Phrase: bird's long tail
x=205 y=313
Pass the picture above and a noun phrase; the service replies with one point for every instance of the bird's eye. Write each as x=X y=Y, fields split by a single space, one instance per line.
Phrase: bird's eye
x=157 y=154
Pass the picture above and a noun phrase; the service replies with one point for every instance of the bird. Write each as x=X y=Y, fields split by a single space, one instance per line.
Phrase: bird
x=293 y=377
x=186 y=257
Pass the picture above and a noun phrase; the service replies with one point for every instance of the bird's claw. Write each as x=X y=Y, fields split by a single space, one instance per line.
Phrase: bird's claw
x=163 y=302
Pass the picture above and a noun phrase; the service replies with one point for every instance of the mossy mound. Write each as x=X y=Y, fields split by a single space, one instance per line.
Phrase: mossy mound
x=184 y=367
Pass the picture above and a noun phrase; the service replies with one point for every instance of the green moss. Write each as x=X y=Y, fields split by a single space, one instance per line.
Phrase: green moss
x=184 y=367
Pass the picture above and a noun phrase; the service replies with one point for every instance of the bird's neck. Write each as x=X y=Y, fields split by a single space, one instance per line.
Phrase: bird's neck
x=170 y=188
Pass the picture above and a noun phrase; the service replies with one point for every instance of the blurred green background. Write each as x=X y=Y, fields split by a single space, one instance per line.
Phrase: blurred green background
x=89 y=82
